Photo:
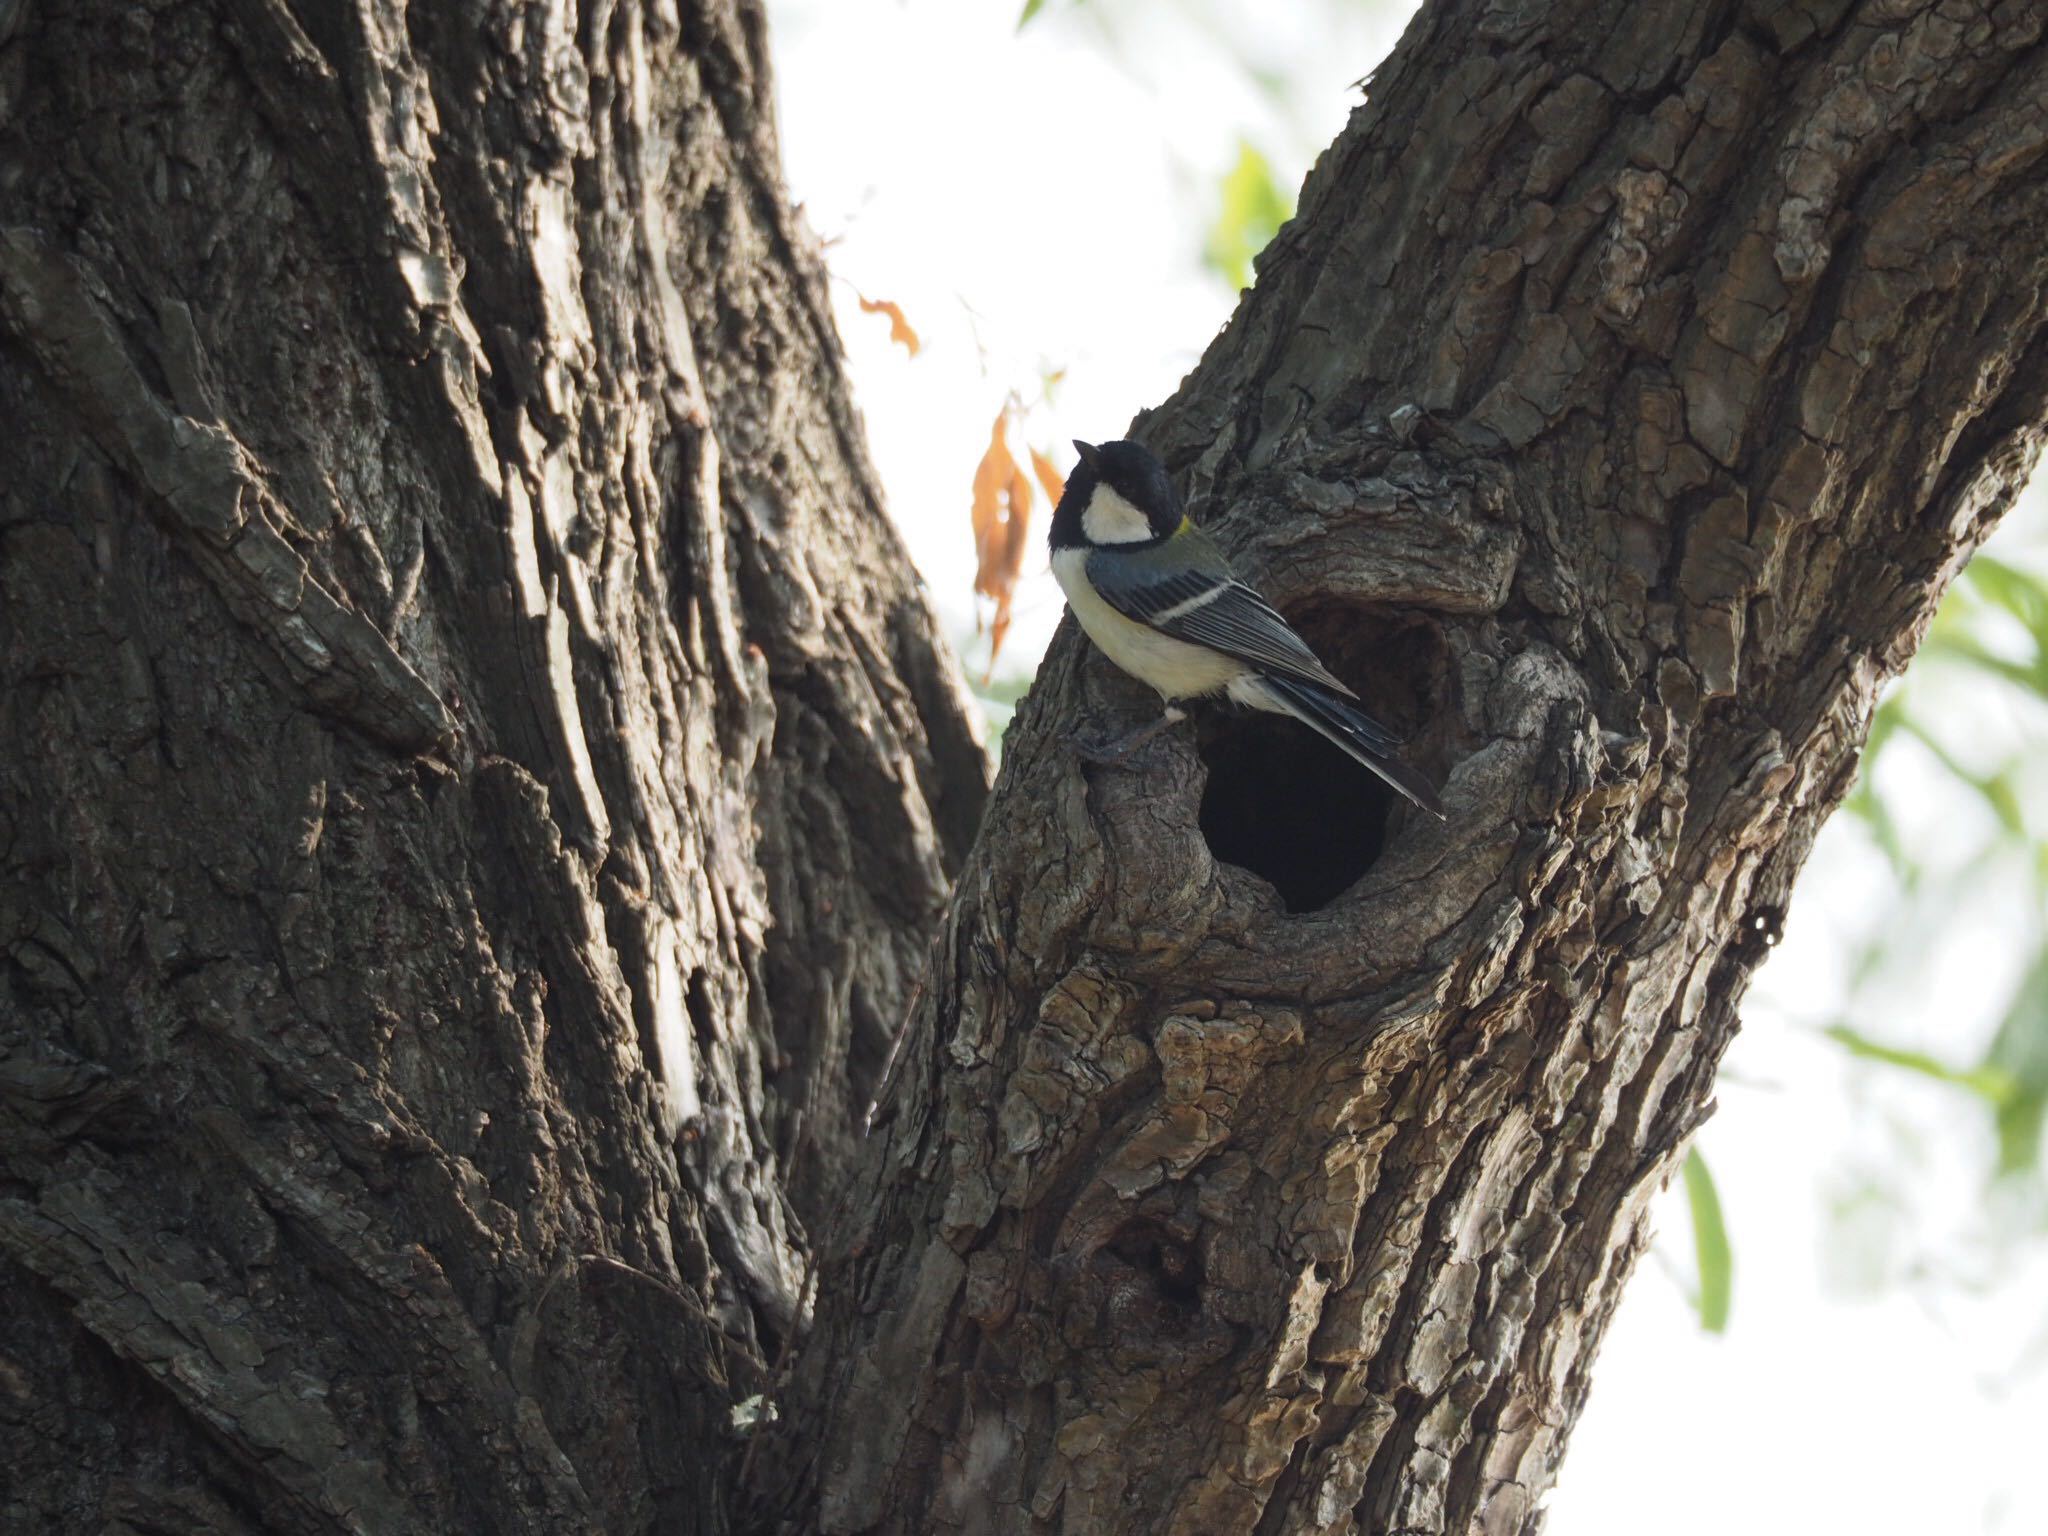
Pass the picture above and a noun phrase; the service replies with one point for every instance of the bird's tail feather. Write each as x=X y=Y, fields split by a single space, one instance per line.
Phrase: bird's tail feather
x=1351 y=728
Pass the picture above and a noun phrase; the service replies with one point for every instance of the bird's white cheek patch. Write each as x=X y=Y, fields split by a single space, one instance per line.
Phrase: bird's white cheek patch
x=1109 y=519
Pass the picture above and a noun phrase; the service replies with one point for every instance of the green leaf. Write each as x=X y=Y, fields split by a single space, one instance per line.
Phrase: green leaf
x=1031 y=9
x=1710 y=1245
x=1990 y=1082
x=1002 y=692
x=2020 y=593
x=1253 y=210
x=1866 y=804
x=999 y=699
x=1954 y=647
x=2019 y=1057
x=1997 y=788
x=2019 y=1124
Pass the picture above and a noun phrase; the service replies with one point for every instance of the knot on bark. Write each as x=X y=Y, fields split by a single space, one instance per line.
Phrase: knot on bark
x=1154 y=1276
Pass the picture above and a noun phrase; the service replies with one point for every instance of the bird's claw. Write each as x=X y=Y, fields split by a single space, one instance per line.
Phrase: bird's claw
x=1114 y=753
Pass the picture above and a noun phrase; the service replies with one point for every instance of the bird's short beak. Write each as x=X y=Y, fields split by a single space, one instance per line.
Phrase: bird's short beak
x=1087 y=452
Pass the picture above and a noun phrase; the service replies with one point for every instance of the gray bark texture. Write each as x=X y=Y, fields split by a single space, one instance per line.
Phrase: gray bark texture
x=479 y=775
x=1632 y=381
x=479 y=786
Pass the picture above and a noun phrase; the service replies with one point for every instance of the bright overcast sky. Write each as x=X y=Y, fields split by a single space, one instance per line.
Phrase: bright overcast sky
x=1037 y=201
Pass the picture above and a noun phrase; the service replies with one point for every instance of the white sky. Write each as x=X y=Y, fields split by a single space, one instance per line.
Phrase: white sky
x=1037 y=201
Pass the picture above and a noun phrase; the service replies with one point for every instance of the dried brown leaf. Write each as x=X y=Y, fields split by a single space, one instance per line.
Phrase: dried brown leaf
x=1002 y=528
x=991 y=483
x=899 y=328
x=1054 y=482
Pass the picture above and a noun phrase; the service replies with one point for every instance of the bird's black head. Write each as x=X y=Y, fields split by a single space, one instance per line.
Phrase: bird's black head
x=1117 y=494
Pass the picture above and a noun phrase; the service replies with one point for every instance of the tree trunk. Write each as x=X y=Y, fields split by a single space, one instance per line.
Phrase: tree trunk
x=1264 y=1156
x=480 y=781
x=479 y=775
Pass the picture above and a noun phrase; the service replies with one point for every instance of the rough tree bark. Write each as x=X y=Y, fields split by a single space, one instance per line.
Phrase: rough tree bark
x=1632 y=381
x=478 y=784
x=479 y=776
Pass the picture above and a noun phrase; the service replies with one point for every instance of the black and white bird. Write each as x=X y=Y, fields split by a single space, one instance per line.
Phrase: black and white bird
x=1159 y=598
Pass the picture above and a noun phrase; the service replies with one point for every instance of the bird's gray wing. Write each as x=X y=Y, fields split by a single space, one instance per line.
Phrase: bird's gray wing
x=1192 y=595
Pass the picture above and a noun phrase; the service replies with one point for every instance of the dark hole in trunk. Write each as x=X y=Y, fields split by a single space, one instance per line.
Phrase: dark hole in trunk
x=1291 y=807
x=1286 y=805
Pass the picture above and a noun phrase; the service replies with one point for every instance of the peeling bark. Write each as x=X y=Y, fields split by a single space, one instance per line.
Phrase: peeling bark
x=479 y=778
x=1627 y=390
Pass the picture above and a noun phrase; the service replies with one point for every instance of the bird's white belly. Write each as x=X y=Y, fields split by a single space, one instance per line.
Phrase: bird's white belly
x=1178 y=670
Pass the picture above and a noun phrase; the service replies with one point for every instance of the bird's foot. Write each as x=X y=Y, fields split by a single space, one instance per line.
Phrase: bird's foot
x=1113 y=753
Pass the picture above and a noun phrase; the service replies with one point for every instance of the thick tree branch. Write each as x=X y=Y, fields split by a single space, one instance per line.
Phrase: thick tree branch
x=459 y=687
x=1628 y=388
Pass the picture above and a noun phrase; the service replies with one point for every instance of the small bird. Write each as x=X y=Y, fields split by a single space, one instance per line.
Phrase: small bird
x=1161 y=601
